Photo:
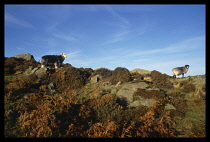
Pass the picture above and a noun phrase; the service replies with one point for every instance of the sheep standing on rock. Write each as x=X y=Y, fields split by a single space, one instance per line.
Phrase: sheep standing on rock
x=180 y=70
x=55 y=60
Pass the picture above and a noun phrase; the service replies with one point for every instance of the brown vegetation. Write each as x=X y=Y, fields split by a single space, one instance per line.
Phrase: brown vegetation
x=161 y=80
x=120 y=75
x=81 y=109
x=70 y=77
x=12 y=65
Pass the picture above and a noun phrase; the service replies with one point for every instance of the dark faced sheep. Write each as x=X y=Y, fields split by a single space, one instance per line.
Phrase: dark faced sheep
x=55 y=60
x=180 y=70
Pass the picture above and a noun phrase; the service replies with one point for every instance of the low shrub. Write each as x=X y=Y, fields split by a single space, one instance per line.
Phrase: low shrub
x=120 y=74
x=104 y=72
x=178 y=101
x=106 y=108
x=137 y=76
x=12 y=65
x=69 y=77
x=103 y=130
x=161 y=80
x=151 y=94
x=187 y=86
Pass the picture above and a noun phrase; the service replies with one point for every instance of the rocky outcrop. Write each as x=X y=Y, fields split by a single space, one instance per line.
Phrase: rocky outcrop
x=127 y=90
x=140 y=71
x=25 y=56
x=40 y=72
x=95 y=78
x=144 y=102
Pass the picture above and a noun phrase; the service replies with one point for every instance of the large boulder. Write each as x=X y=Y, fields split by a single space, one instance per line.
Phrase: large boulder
x=40 y=72
x=140 y=71
x=25 y=56
x=95 y=78
x=144 y=102
x=127 y=90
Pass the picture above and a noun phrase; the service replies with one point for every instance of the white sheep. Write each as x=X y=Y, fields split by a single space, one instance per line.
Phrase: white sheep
x=180 y=70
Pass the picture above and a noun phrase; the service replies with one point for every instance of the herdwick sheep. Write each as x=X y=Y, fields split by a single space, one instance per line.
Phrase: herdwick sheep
x=55 y=60
x=180 y=70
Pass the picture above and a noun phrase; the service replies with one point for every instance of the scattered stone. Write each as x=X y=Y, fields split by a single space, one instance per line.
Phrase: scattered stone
x=18 y=72
x=148 y=79
x=126 y=94
x=141 y=71
x=118 y=83
x=135 y=86
x=35 y=69
x=28 y=71
x=153 y=88
x=95 y=79
x=41 y=72
x=128 y=89
x=144 y=102
x=169 y=106
x=51 y=87
x=25 y=56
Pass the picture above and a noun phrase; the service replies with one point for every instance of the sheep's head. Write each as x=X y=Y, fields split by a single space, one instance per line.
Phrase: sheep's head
x=64 y=55
x=187 y=66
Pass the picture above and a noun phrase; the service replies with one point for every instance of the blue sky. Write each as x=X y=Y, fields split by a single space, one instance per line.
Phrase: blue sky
x=151 y=37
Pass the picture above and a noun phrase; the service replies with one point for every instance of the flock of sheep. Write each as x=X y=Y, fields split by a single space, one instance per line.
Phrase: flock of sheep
x=57 y=60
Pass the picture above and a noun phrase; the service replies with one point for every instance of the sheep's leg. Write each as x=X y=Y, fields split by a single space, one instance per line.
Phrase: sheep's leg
x=42 y=63
x=174 y=76
x=183 y=75
x=56 y=65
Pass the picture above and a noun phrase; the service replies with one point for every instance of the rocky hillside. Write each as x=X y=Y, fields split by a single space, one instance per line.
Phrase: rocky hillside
x=102 y=103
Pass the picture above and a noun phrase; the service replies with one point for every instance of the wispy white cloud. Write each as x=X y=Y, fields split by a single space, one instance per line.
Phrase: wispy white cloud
x=116 y=37
x=14 y=20
x=122 y=26
x=64 y=36
x=117 y=15
x=185 y=45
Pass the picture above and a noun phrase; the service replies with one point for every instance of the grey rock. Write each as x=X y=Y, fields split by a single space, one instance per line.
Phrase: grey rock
x=135 y=103
x=30 y=67
x=25 y=56
x=169 y=106
x=41 y=72
x=126 y=94
x=118 y=84
x=35 y=69
x=95 y=79
x=128 y=89
x=51 y=87
x=153 y=88
x=141 y=71
x=114 y=91
x=18 y=72
x=28 y=71
x=135 y=86
x=143 y=102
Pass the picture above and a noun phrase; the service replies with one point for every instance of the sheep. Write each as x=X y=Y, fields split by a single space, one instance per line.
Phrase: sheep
x=180 y=70
x=56 y=60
